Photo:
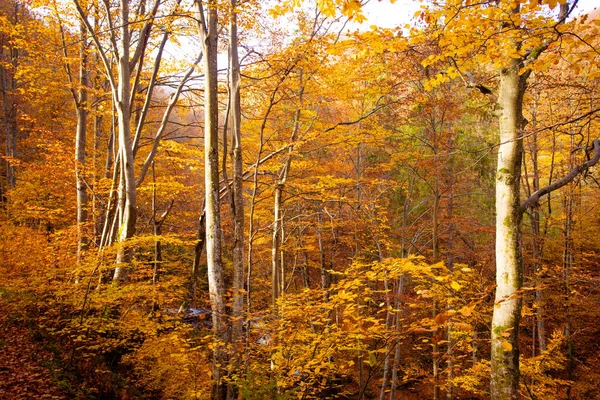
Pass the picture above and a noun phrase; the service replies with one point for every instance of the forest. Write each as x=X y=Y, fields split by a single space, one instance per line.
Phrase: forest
x=245 y=199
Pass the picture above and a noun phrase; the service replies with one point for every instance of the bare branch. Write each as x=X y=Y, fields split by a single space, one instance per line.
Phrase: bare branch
x=534 y=198
x=149 y=91
x=165 y=121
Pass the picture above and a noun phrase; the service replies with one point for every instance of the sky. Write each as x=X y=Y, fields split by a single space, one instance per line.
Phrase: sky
x=388 y=15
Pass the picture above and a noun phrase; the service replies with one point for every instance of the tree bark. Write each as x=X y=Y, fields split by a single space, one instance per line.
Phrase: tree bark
x=450 y=266
x=238 y=196
x=536 y=255
x=208 y=37
x=568 y=262
x=123 y=90
x=127 y=190
x=9 y=86
x=80 y=143
x=509 y=274
x=276 y=256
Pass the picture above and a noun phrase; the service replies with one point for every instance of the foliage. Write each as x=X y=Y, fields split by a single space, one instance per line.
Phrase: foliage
x=380 y=144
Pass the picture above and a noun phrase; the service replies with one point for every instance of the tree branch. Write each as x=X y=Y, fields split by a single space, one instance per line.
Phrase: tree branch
x=534 y=198
x=165 y=121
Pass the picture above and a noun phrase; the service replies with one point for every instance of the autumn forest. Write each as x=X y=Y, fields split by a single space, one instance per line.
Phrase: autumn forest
x=244 y=199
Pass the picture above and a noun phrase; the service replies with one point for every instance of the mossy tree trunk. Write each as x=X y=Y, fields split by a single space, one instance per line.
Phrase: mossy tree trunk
x=509 y=273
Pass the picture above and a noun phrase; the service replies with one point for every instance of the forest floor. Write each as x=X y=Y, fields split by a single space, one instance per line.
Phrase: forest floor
x=25 y=364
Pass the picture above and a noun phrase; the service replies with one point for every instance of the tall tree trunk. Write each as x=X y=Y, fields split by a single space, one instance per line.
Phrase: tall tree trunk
x=509 y=274
x=324 y=273
x=238 y=196
x=10 y=121
x=568 y=259
x=404 y=252
x=388 y=325
x=398 y=325
x=127 y=188
x=505 y=372
x=537 y=251
x=277 y=260
x=435 y=241
x=208 y=36
x=568 y=263
x=450 y=266
x=80 y=143
x=276 y=242
x=9 y=86
x=435 y=256
x=96 y=207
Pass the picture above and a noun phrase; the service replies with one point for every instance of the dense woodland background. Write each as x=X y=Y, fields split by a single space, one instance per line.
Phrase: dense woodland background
x=355 y=172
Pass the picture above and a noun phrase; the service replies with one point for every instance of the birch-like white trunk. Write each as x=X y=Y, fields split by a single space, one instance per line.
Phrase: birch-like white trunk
x=127 y=188
x=509 y=274
x=80 y=143
x=208 y=36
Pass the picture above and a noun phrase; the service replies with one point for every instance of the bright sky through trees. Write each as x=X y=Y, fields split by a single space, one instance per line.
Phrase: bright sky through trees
x=390 y=15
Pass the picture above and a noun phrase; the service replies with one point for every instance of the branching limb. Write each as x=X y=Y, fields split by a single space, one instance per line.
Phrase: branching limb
x=165 y=121
x=471 y=82
x=534 y=198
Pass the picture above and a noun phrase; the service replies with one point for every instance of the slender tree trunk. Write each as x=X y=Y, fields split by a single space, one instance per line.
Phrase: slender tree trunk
x=238 y=196
x=509 y=273
x=388 y=326
x=276 y=242
x=450 y=266
x=400 y=291
x=80 y=143
x=435 y=250
x=106 y=236
x=537 y=251
x=324 y=274
x=276 y=257
x=96 y=208
x=567 y=267
x=568 y=261
x=208 y=36
x=435 y=356
x=157 y=230
x=398 y=325
x=127 y=188
x=282 y=260
x=9 y=86
x=199 y=247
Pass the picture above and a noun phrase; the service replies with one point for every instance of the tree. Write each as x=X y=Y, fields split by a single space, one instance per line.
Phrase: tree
x=127 y=40
x=237 y=161
x=511 y=38
x=208 y=33
x=79 y=88
x=120 y=39
x=10 y=54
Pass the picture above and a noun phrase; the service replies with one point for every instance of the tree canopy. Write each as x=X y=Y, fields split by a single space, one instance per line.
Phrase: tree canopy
x=269 y=200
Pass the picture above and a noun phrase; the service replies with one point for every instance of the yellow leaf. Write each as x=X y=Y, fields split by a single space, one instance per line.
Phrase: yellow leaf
x=466 y=311
x=506 y=345
x=455 y=285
